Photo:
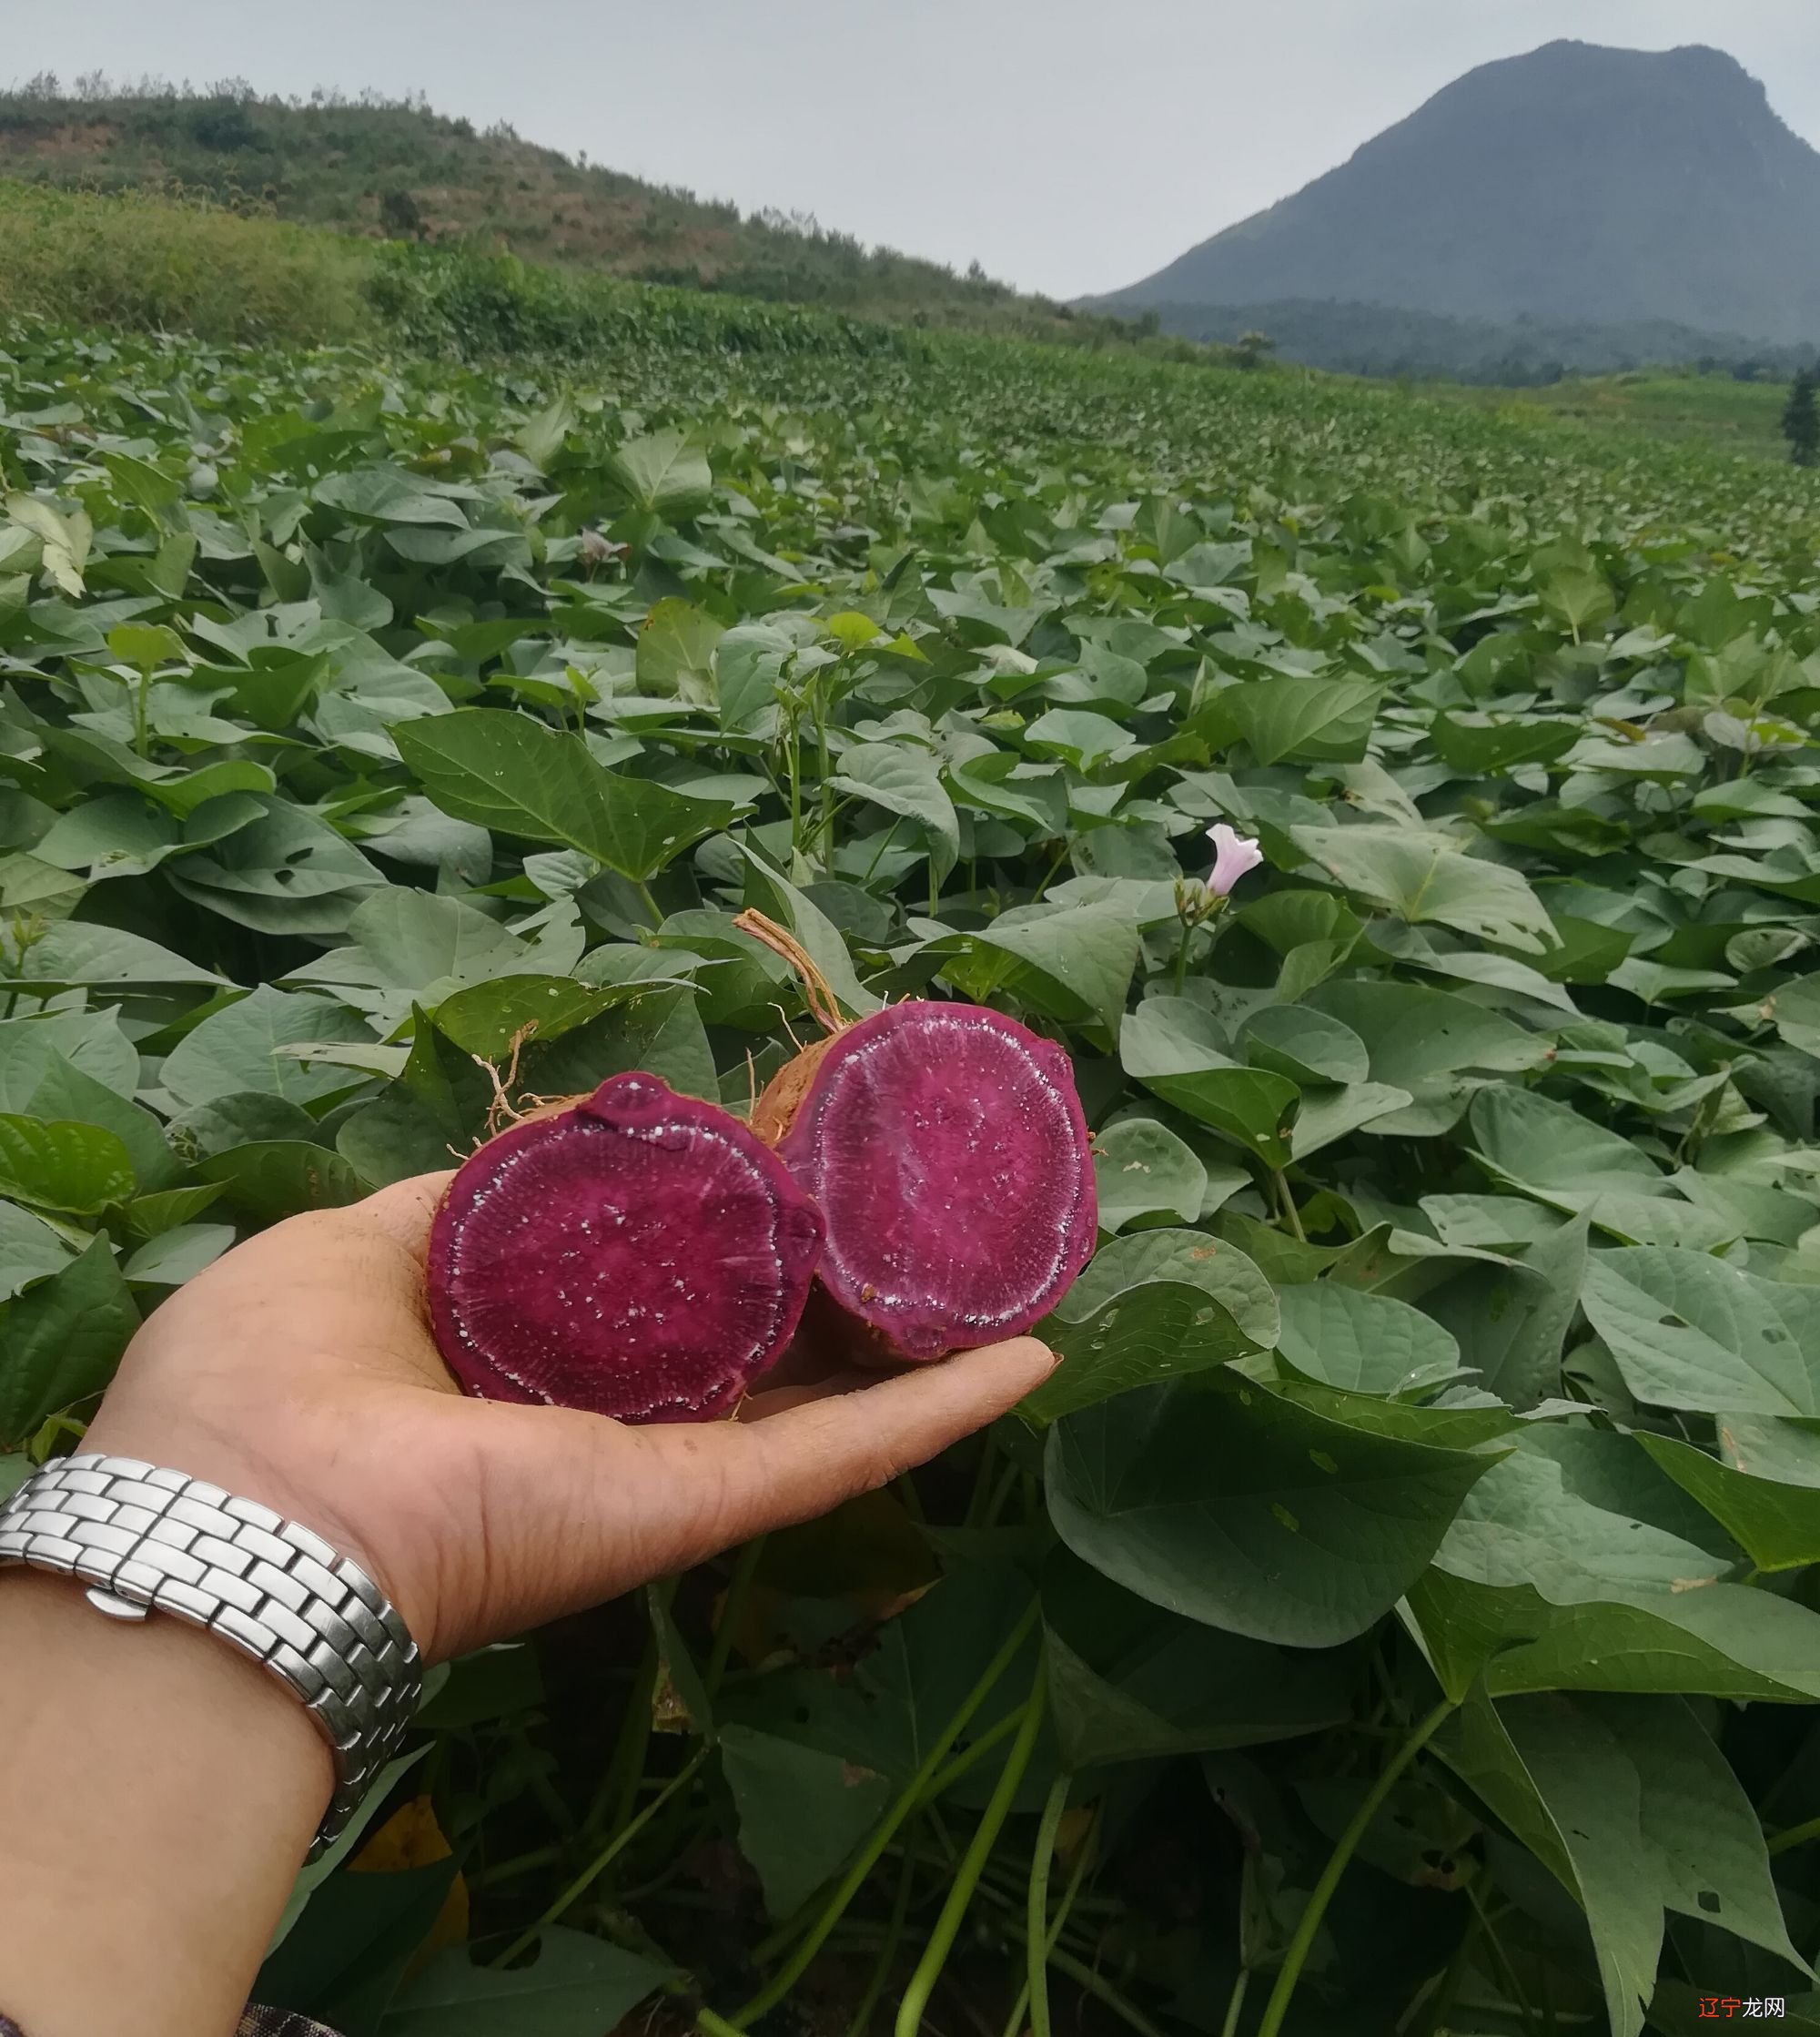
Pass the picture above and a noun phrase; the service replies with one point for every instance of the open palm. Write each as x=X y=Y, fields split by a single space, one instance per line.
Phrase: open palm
x=299 y=1370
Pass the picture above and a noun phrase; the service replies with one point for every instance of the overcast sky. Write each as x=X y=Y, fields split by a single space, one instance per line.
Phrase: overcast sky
x=1070 y=146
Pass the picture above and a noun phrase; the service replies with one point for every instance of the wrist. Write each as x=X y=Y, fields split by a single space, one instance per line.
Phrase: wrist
x=147 y=1539
x=161 y=1792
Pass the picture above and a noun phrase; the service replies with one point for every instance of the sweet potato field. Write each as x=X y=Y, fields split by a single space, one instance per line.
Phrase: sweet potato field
x=1397 y=1612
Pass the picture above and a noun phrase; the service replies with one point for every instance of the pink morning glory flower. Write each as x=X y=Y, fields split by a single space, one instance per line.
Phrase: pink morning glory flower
x=1233 y=855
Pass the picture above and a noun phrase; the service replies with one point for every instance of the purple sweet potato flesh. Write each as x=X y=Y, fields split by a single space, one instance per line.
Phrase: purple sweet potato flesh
x=946 y=1147
x=640 y=1255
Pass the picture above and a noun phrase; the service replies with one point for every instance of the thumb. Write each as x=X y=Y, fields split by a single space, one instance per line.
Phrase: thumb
x=616 y=1507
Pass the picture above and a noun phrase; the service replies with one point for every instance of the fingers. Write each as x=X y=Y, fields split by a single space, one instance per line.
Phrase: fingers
x=802 y=1459
x=773 y=1399
x=583 y=1508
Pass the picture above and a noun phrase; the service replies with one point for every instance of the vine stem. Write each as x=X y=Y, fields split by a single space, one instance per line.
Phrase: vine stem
x=618 y=1785
x=887 y=1953
x=977 y=1751
x=1090 y=1981
x=795 y=789
x=1236 y=2006
x=1309 y=1923
x=605 y=1859
x=853 y=1880
x=985 y=1835
x=878 y=854
x=1796 y=1834
x=1513 y=1987
x=1014 y=2022
x=1286 y=1197
x=1061 y=857
x=732 y=1608
x=1037 y=1912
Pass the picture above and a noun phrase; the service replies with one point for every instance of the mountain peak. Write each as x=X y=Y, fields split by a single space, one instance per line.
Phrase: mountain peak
x=1574 y=181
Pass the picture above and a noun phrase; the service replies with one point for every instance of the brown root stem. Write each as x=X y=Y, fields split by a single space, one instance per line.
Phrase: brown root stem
x=501 y=1111
x=823 y=1007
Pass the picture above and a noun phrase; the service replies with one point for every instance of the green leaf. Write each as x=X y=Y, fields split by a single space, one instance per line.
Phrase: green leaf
x=802 y=1813
x=1776 y=1523
x=505 y=771
x=1580 y=1514
x=1333 y=1109
x=64 y=539
x=1511 y=1322
x=1433 y=1043
x=1190 y=1257
x=1161 y=1331
x=1487 y=743
x=1795 y=1007
x=235 y=1049
x=1130 y=1683
x=658 y=1032
x=90 y=1041
x=540 y=439
x=64 y=1090
x=487 y=1017
x=1075 y=964
x=149 y=1216
x=78 y=1169
x=1172 y=1046
x=1548 y=1150
x=1724 y=1641
x=993 y=785
x=578 y=1987
x=1579 y=596
x=773 y=893
x=1632 y=1806
x=117 y=834
x=663 y=474
x=179 y=1255
x=287 y=873
x=903 y=781
x=74 y=955
x=1078 y=735
x=270 y=1179
x=419 y=941
x=1309 y=721
x=1141 y=1169
x=145 y=645
x=61 y=1340
x=29 y=1251
x=1224 y=1503
x=1362 y=1342
x=1304 y=1044
x=1690 y=1332
x=385 y=494
x=136 y=481
x=1425 y=879
x=676 y=653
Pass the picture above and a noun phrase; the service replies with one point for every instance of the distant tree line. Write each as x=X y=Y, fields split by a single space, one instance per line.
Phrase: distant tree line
x=1801 y=419
x=1385 y=340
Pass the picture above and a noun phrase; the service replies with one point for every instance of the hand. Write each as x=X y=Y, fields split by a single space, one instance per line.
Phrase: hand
x=299 y=1370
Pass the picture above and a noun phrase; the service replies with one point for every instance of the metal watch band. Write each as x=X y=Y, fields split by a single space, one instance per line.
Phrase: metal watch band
x=145 y=1539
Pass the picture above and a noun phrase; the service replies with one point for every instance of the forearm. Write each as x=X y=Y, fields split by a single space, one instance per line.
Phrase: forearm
x=159 y=1793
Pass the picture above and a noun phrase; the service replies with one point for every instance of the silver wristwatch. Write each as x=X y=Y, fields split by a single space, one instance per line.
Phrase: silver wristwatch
x=147 y=1540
